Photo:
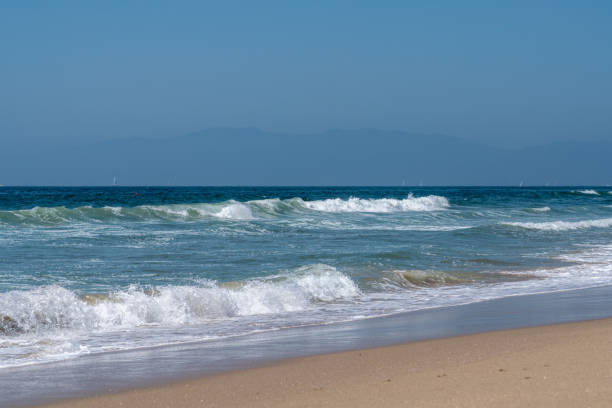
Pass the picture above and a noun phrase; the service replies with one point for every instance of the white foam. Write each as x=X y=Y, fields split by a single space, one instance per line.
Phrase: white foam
x=563 y=225
x=235 y=211
x=59 y=324
x=228 y=210
x=541 y=209
x=381 y=205
x=589 y=191
x=53 y=308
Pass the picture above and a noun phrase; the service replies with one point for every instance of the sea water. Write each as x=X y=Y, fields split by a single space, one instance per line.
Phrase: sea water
x=91 y=270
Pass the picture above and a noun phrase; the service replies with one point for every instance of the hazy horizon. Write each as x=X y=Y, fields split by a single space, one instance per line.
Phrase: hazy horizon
x=337 y=157
x=501 y=77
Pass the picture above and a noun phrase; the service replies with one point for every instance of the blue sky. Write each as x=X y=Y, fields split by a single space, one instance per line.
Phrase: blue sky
x=507 y=73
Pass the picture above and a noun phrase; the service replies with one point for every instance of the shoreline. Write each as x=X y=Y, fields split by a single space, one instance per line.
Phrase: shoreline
x=143 y=369
x=567 y=364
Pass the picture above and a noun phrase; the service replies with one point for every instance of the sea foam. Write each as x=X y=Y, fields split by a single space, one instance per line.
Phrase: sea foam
x=588 y=191
x=382 y=205
x=54 y=308
x=540 y=209
x=563 y=225
x=227 y=210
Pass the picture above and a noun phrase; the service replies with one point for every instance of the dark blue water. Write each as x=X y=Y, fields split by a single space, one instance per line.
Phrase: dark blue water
x=85 y=270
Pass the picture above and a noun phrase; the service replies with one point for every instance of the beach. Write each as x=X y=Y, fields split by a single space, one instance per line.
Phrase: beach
x=473 y=355
x=564 y=365
x=315 y=204
x=105 y=291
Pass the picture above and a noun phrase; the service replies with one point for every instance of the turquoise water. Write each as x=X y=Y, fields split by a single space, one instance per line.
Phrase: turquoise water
x=89 y=270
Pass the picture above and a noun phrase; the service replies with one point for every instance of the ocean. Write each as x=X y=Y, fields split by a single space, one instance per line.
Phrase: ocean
x=94 y=270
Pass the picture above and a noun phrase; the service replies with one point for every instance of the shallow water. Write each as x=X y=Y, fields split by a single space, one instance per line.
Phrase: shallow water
x=90 y=270
x=100 y=373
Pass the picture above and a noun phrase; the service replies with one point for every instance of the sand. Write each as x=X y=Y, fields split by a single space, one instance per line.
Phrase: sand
x=565 y=365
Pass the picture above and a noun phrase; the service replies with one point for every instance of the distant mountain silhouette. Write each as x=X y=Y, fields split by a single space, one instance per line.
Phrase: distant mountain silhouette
x=248 y=156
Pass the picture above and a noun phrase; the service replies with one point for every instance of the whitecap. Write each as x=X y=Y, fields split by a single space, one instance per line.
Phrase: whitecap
x=563 y=225
x=540 y=209
x=588 y=191
x=235 y=211
x=54 y=308
x=228 y=210
x=381 y=205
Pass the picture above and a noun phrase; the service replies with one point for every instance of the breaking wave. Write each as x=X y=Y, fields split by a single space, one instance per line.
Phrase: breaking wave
x=382 y=205
x=228 y=210
x=540 y=209
x=588 y=191
x=62 y=215
x=53 y=308
x=563 y=225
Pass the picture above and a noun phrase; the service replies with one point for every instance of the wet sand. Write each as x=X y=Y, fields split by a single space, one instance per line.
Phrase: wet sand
x=563 y=365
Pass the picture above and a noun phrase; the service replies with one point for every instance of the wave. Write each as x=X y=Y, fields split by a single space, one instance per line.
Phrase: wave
x=563 y=225
x=540 y=209
x=417 y=278
x=588 y=191
x=235 y=211
x=53 y=308
x=62 y=215
x=228 y=210
x=425 y=278
x=53 y=323
x=381 y=205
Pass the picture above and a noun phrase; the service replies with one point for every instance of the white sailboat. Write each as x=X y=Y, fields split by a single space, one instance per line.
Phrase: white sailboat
x=115 y=181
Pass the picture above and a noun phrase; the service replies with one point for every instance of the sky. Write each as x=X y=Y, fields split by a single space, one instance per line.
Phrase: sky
x=505 y=73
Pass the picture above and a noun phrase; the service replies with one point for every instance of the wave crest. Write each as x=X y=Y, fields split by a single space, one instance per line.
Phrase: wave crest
x=540 y=209
x=52 y=308
x=414 y=278
x=228 y=210
x=563 y=225
x=588 y=191
x=381 y=205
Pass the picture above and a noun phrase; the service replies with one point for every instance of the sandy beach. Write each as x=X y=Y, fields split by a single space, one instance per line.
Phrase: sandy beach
x=564 y=365
x=305 y=204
